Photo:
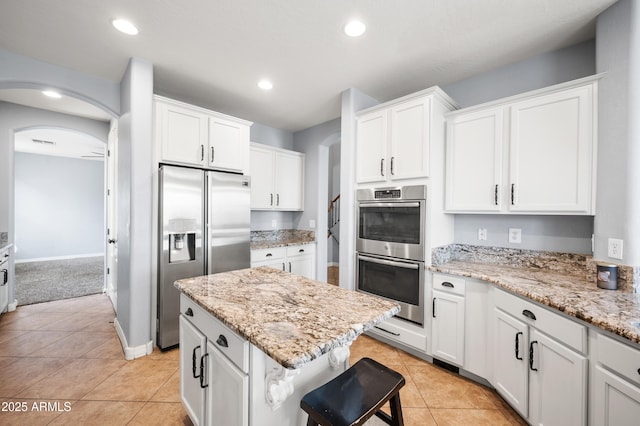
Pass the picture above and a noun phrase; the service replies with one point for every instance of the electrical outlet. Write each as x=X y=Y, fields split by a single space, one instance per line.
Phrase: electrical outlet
x=273 y=223
x=515 y=235
x=482 y=234
x=614 y=248
x=312 y=223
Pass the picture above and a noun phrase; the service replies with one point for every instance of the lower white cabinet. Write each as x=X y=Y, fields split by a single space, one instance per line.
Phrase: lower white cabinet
x=616 y=384
x=447 y=323
x=540 y=377
x=297 y=259
x=214 y=390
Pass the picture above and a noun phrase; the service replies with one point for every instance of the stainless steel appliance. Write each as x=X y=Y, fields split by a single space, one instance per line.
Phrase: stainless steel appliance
x=204 y=227
x=390 y=246
x=390 y=221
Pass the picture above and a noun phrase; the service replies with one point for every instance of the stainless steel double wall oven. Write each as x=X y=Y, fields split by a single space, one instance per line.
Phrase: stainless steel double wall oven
x=390 y=245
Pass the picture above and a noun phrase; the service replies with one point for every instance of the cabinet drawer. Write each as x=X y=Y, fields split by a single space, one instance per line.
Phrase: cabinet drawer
x=301 y=250
x=274 y=253
x=449 y=284
x=619 y=357
x=222 y=337
x=560 y=328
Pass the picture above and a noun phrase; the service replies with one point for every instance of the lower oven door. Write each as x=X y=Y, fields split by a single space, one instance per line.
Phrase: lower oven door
x=398 y=280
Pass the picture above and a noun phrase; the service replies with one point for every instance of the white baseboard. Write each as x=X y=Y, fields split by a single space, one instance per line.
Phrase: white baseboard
x=330 y=264
x=71 y=256
x=135 y=351
x=12 y=306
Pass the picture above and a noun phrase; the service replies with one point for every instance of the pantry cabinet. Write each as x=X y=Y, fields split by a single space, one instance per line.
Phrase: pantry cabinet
x=531 y=153
x=540 y=362
x=394 y=138
x=277 y=179
x=193 y=136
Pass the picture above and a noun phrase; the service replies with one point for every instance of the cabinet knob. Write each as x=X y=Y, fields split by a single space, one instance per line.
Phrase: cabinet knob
x=189 y=312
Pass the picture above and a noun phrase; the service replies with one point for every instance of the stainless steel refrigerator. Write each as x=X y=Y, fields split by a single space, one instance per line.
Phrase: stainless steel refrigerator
x=204 y=228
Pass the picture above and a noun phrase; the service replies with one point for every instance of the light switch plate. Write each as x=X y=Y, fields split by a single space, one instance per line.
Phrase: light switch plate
x=515 y=235
x=273 y=223
x=614 y=248
x=312 y=223
x=482 y=234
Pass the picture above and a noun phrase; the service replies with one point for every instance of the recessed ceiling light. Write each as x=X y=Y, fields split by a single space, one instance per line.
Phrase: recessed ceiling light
x=125 y=26
x=355 y=28
x=52 y=94
x=265 y=85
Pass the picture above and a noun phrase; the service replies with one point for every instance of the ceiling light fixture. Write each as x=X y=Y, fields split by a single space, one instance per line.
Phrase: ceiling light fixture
x=52 y=94
x=265 y=85
x=355 y=28
x=125 y=26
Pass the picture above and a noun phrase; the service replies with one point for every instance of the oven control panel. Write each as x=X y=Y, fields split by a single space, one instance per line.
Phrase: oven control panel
x=387 y=193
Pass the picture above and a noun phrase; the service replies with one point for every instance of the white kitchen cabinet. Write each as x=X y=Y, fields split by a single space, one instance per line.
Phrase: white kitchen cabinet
x=297 y=259
x=531 y=153
x=478 y=331
x=214 y=381
x=447 y=323
x=277 y=179
x=540 y=368
x=393 y=139
x=616 y=383
x=194 y=136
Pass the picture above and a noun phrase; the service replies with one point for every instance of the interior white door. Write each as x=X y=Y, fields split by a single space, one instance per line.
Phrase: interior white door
x=112 y=216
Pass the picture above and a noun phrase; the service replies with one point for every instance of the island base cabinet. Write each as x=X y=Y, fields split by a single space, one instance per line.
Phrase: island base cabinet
x=228 y=391
x=617 y=402
x=557 y=383
x=192 y=348
x=448 y=327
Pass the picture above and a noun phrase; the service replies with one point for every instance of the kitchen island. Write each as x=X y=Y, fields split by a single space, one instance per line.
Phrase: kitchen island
x=254 y=341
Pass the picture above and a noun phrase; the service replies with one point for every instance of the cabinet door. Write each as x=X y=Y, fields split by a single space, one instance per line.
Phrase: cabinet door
x=510 y=361
x=228 y=391
x=183 y=134
x=410 y=139
x=552 y=153
x=262 y=191
x=192 y=348
x=474 y=161
x=617 y=402
x=558 y=383
x=289 y=181
x=228 y=144
x=302 y=265
x=371 y=147
x=448 y=327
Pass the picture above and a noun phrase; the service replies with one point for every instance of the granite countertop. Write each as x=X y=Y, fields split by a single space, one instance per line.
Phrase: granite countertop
x=294 y=320
x=614 y=311
x=281 y=238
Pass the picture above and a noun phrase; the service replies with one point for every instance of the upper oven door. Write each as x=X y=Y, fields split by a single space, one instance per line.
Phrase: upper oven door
x=391 y=228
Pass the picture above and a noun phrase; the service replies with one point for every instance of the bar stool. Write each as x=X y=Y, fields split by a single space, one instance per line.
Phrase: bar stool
x=355 y=396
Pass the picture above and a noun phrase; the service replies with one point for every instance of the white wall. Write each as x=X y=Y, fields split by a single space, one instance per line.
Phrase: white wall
x=59 y=206
x=553 y=233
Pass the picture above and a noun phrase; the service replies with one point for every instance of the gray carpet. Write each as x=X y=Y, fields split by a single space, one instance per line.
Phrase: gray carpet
x=45 y=281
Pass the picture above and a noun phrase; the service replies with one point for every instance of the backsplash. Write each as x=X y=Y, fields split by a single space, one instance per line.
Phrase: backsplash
x=574 y=264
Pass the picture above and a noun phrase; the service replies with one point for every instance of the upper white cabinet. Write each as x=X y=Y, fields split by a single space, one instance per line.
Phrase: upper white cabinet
x=531 y=153
x=194 y=136
x=277 y=179
x=393 y=139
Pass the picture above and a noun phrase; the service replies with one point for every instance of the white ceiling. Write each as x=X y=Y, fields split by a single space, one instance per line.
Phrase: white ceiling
x=60 y=143
x=213 y=52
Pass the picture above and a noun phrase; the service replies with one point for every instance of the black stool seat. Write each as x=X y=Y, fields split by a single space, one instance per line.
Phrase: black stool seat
x=355 y=396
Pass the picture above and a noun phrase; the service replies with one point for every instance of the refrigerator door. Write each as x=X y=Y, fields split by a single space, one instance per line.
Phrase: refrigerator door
x=181 y=255
x=229 y=217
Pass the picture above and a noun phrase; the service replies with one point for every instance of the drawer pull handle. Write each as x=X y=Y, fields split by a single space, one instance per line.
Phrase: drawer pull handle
x=518 y=334
x=202 y=366
x=269 y=255
x=189 y=312
x=531 y=355
x=222 y=341
x=527 y=313
x=193 y=362
x=386 y=331
x=301 y=251
x=638 y=370
x=447 y=284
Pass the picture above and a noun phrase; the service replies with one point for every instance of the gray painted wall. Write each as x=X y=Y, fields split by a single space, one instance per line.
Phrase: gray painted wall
x=618 y=206
x=59 y=206
x=554 y=233
x=262 y=220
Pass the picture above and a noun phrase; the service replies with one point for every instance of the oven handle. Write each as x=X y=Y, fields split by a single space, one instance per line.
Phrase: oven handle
x=394 y=204
x=389 y=262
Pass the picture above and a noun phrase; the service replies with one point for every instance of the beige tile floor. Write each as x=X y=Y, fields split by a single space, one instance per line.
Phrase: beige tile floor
x=62 y=364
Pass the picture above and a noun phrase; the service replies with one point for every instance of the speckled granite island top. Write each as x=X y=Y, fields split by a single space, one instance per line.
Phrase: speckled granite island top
x=292 y=319
x=614 y=311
